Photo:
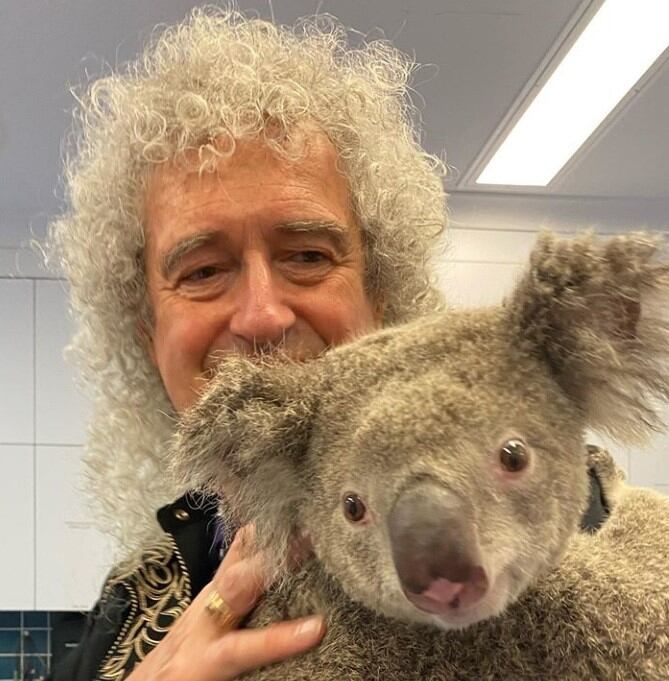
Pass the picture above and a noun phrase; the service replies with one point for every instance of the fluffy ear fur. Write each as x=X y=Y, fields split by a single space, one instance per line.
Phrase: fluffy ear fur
x=245 y=437
x=594 y=312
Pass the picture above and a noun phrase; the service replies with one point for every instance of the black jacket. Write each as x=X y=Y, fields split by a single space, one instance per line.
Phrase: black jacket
x=173 y=572
x=136 y=610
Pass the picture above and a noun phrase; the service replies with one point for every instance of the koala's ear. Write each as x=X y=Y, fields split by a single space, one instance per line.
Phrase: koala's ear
x=244 y=440
x=596 y=313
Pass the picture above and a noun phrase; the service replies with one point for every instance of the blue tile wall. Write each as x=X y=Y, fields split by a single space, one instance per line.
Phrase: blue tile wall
x=8 y=668
x=10 y=641
x=36 y=619
x=10 y=619
x=25 y=645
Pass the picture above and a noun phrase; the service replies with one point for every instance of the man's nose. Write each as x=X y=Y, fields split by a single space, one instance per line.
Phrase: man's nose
x=261 y=314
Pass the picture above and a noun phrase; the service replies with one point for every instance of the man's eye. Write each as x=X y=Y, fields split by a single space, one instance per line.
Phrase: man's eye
x=309 y=257
x=201 y=273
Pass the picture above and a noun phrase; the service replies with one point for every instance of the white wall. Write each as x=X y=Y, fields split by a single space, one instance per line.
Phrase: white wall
x=52 y=557
x=43 y=518
x=17 y=525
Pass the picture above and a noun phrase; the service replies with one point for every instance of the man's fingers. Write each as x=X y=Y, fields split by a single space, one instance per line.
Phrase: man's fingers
x=241 y=578
x=207 y=646
x=242 y=651
x=241 y=584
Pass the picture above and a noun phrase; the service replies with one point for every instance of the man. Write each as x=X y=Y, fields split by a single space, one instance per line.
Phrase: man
x=242 y=188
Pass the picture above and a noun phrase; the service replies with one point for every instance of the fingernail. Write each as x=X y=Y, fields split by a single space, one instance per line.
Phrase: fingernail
x=309 y=627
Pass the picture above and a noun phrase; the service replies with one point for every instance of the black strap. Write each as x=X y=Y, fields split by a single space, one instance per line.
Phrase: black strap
x=598 y=510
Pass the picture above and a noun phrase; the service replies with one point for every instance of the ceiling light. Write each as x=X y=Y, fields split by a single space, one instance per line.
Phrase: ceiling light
x=615 y=49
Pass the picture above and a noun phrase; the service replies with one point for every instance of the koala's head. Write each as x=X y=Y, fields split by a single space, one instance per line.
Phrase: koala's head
x=439 y=467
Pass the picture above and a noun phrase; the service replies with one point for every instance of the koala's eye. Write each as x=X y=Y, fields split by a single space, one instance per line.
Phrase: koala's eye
x=354 y=509
x=514 y=456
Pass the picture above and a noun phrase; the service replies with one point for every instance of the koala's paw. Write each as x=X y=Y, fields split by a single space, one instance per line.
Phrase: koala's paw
x=612 y=478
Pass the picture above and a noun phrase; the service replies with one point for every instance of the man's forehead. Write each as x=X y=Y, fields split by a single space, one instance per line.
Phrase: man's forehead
x=180 y=187
x=306 y=150
x=183 y=203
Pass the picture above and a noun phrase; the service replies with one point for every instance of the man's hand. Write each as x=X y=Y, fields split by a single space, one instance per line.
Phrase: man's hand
x=200 y=648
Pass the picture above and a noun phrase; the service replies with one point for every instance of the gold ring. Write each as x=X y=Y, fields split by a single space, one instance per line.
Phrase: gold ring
x=220 y=611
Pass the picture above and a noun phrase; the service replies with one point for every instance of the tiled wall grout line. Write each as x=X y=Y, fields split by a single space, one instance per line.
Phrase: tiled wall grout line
x=41 y=444
x=27 y=644
x=34 y=444
x=22 y=639
x=48 y=640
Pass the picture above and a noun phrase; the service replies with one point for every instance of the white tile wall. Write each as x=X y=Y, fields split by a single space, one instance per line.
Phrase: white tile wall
x=477 y=283
x=16 y=367
x=22 y=263
x=51 y=557
x=61 y=410
x=17 y=518
x=72 y=556
x=649 y=466
x=482 y=245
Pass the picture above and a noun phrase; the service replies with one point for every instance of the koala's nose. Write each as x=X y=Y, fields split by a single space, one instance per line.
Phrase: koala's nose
x=435 y=550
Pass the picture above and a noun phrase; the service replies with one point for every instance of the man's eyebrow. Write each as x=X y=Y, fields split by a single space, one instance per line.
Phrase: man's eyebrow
x=333 y=231
x=182 y=248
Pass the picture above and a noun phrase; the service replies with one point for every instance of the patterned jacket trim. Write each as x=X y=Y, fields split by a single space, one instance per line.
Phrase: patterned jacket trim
x=158 y=591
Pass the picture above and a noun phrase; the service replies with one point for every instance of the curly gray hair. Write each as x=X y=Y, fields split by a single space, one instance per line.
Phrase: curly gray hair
x=215 y=78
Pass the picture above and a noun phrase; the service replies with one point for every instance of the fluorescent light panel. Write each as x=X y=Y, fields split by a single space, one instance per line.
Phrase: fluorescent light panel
x=616 y=48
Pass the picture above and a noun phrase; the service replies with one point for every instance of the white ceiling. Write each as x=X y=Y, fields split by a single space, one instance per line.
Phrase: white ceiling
x=479 y=56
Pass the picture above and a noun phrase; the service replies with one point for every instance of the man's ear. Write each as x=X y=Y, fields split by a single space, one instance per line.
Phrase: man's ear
x=596 y=313
x=245 y=440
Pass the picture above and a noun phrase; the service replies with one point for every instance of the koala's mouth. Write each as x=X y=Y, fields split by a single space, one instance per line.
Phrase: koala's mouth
x=453 y=605
x=444 y=597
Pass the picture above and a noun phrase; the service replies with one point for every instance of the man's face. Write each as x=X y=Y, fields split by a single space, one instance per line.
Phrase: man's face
x=260 y=253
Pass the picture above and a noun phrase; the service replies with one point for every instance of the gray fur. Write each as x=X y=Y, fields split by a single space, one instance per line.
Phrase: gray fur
x=412 y=420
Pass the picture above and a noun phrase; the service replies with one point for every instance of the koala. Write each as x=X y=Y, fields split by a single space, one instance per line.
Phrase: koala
x=440 y=469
